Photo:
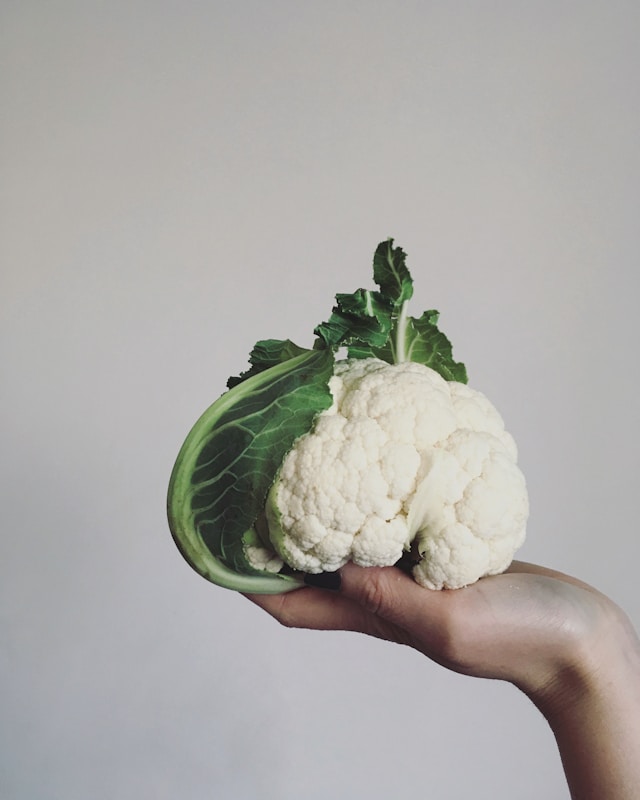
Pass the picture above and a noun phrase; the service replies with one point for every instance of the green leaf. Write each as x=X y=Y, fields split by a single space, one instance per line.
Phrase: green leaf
x=366 y=317
x=422 y=341
x=265 y=354
x=362 y=316
x=416 y=340
x=229 y=460
x=391 y=274
x=426 y=344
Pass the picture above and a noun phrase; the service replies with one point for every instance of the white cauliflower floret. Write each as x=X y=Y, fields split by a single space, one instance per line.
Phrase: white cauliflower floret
x=469 y=514
x=263 y=558
x=402 y=459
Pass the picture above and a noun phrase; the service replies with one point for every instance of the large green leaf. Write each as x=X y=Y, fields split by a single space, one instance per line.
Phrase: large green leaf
x=229 y=460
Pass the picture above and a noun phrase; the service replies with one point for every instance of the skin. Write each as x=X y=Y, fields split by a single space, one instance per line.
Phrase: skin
x=569 y=648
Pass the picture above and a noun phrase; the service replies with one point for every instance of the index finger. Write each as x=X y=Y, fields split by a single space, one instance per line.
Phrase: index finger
x=316 y=609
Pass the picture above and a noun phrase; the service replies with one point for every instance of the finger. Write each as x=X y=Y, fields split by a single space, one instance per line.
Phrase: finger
x=392 y=595
x=316 y=609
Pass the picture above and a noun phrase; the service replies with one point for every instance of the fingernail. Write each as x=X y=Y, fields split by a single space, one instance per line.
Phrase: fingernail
x=324 y=580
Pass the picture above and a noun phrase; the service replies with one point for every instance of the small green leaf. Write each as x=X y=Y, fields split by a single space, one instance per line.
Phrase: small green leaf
x=420 y=340
x=427 y=344
x=361 y=316
x=391 y=274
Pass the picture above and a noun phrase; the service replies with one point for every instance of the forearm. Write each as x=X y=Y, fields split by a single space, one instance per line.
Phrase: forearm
x=594 y=713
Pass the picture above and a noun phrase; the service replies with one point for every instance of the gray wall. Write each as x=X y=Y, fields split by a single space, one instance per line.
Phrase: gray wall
x=183 y=178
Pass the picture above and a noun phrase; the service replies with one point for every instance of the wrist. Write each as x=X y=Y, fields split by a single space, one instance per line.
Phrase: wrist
x=592 y=705
x=597 y=667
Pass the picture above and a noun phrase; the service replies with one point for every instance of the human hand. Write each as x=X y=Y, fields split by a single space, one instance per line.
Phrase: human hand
x=566 y=645
x=529 y=625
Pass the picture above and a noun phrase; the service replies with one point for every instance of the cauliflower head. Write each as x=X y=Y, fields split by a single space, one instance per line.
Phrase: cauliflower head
x=402 y=460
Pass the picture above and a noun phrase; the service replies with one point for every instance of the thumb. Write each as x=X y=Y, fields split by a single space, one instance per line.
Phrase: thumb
x=439 y=624
x=387 y=592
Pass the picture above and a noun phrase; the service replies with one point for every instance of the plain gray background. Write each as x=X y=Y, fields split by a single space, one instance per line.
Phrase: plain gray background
x=180 y=179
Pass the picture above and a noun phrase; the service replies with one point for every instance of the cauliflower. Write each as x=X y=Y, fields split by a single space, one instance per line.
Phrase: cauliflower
x=308 y=462
x=402 y=459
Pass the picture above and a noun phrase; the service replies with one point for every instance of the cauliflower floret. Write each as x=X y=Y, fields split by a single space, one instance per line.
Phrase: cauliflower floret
x=469 y=514
x=401 y=456
x=475 y=412
x=264 y=559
